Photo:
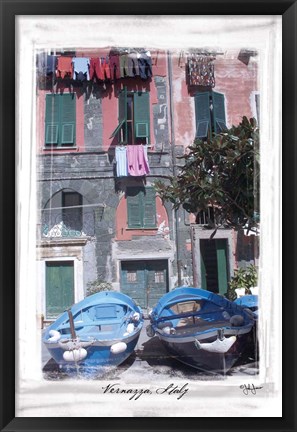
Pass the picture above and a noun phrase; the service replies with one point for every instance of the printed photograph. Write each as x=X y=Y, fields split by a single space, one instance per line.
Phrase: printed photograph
x=148 y=181
x=148 y=187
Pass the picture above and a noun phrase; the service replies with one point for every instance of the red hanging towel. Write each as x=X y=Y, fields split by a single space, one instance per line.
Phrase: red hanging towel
x=96 y=70
x=64 y=67
x=105 y=68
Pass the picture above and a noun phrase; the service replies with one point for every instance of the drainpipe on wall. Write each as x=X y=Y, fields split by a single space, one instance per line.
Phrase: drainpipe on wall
x=172 y=139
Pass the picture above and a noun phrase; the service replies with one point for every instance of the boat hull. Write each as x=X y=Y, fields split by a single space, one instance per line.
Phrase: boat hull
x=98 y=354
x=101 y=330
x=189 y=354
x=201 y=329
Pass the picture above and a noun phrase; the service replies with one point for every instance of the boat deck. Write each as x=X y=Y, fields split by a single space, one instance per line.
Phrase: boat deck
x=189 y=328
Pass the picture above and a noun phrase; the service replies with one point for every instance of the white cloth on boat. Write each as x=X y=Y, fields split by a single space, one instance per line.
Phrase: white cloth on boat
x=218 y=346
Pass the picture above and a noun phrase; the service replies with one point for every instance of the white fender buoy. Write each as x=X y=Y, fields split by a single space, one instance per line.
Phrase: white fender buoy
x=218 y=346
x=118 y=348
x=166 y=330
x=75 y=355
x=55 y=336
x=136 y=316
x=130 y=328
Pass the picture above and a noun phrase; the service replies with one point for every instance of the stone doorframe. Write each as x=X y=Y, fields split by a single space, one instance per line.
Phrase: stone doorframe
x=198 y=233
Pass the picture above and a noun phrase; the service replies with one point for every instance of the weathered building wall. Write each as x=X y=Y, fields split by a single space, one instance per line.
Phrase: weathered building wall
x=89 y=168
x=237 y=81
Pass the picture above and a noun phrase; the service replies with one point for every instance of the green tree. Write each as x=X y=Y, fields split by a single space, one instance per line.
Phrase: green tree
x=221 y=173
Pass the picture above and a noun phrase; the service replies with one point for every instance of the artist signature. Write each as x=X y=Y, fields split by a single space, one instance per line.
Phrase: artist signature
x=249 y=388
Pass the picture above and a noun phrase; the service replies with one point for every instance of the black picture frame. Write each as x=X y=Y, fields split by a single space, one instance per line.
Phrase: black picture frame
x=9 y=10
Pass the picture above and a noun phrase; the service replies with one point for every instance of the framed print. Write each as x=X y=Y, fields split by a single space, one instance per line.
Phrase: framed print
x=147 y=164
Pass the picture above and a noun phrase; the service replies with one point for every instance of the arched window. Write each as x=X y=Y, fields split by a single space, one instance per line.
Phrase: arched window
x=63 y=215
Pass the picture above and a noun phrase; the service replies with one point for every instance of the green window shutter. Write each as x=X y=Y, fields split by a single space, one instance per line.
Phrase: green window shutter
x=67 y=119
x=218 y=101
x=52 y=116
x=51 y=134
x=149 y=208
x=117 y=129
x=142 y=115
x=134 y=207
x=202 y=111
x=122 y=117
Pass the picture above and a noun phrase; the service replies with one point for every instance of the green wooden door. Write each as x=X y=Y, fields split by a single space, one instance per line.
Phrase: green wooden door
x=133 y=281
x=145 y=281
x=214 y=265
x=221 y=249
x=59 y=287
x=156 y=281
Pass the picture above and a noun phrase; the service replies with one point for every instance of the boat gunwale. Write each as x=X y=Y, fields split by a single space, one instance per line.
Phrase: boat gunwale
x=174 y=338
x=98 y=342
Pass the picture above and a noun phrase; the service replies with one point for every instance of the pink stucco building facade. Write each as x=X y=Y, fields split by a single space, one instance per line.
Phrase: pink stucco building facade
x=102 y=225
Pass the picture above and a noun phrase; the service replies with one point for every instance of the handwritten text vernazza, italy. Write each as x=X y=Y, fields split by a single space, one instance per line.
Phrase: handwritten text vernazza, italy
x=172 y=390
x=136 y=393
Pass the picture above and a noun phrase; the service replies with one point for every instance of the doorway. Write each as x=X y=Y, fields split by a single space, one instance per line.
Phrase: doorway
x=59 y=287
x=214 y=265
x=145 y=281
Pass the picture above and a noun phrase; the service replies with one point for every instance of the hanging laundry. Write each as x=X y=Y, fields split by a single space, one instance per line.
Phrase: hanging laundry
x=133 y=68
x=95 y=68
x=41 y=63
x=137 y=160
x=146 y=158
x=201 y=70
x=104 y=61
x=46 y=69
x=81 y=68
x=124 y=65
x=145 y=65
x=114 y=66
x=121 y=161
x=46 y=64
x=64 y=67
x=51 y=64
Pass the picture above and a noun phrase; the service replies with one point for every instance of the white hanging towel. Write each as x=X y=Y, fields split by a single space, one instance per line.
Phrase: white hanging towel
x=121 y=161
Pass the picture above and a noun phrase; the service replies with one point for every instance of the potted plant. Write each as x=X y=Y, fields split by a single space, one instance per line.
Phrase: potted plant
x=244 y=279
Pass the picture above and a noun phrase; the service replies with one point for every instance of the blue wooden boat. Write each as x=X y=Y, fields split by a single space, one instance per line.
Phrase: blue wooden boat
x=201 y=329
x=101 y=330
x=249 y=301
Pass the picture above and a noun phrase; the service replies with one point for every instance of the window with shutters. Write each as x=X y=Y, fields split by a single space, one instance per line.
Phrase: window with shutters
x=60 y=120
x=210 y=114
x=133 y=119
x=141 y=207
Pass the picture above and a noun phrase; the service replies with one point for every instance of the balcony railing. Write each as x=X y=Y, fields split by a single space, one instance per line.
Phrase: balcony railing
x=70 y=223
